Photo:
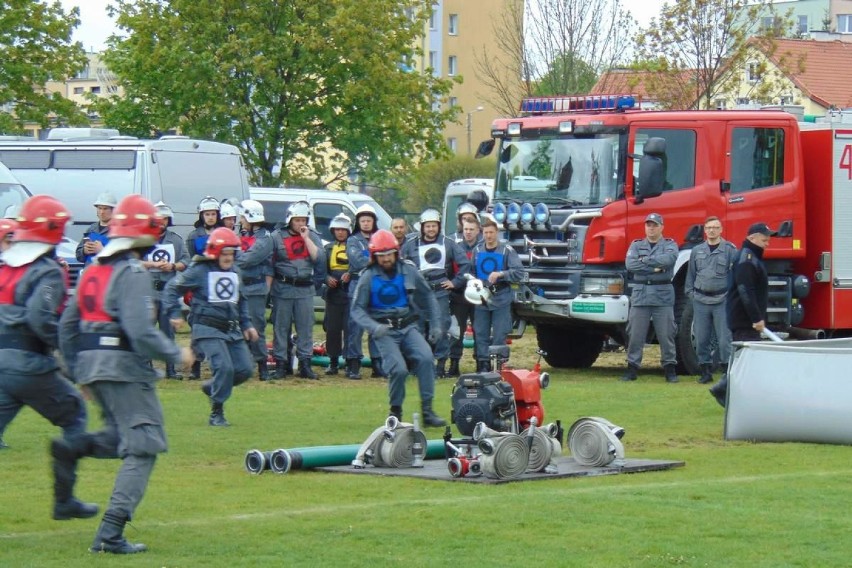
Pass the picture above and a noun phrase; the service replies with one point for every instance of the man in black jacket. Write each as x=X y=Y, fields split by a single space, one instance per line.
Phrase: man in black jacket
x=748 y=295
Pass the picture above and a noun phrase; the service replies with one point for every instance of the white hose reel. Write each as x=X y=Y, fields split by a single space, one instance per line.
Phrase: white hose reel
x=596 y=442
x=396 y=444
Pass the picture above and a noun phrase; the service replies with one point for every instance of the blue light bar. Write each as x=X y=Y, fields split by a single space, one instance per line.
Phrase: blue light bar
x=563 y=104
x=513 y=213
x=527 y=213
x=499 y=213
x=542 y=213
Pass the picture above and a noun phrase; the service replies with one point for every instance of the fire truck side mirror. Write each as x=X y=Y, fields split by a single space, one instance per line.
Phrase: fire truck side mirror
x=484 y=149
x=652 y=174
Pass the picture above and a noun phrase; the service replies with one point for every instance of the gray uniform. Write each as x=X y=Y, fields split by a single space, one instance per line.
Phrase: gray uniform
x=461 y=309
x=293 y=289
x=170 y=248
x=707 y=285
x=220 y=314
x=255 y=263
x=358 y=254
x=108 y=339
x=399 y=300
x=651 y=268
x=493 y=321
x=438 y=261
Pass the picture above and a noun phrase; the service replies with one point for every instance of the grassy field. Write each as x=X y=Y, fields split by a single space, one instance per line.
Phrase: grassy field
x=734 y=504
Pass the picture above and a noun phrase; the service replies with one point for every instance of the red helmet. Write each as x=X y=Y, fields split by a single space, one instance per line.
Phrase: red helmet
x=7 y=227
x=42 y=220
x=383 y=242
x=219 y=239
x=135 y=218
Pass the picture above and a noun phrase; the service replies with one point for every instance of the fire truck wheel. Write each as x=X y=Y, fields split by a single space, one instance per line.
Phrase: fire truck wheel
x=584 y=351
x=687 y=358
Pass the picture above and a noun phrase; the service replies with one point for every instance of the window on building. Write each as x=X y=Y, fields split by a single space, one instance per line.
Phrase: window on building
x=802 y=24
x=753 y=72
x=96 y=90
x=771 y=23
x=453 y=28
x=743 y=101
x=452 y=65
x=453 y=102
x=757 y=158
x=453 y=143
x=679 y=159
x=844 y=23
x=721 y=104
x=78 y=90
x=433 y=60
x=433 y=21
x=786 y=99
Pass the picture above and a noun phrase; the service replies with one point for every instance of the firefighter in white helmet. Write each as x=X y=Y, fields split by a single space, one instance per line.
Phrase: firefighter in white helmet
x=95 y=238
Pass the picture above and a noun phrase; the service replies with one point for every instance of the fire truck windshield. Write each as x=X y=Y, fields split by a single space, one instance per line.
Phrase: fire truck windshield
x=561 y=170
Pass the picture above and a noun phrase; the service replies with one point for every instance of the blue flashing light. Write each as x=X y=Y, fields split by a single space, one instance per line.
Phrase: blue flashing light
x=513 y=213
x=499 y=213
x=625 y=102
x=542 y=213
x=527 y=213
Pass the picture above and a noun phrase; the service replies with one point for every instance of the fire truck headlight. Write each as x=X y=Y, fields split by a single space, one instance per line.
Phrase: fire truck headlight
x=527 y=213
x=513 y=129
x=605 y=285
x=499 y=213
x=513 y=213
x=566 y=127
x=542 y=214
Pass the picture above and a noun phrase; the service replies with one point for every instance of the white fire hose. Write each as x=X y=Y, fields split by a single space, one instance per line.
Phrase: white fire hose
x=504 y=455
x=595 y=442
x=396 y=444
x=544 y=450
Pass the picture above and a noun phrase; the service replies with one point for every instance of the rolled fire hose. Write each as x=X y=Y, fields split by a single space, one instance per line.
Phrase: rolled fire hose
x=396 y=444
x=595 y=442
x=504 y=455
x=285 y=460
x=544 y=450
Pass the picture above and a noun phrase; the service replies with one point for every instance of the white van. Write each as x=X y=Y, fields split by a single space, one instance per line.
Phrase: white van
x=76 y=165
x=325 y=205
x=456 y=194
x=12 y=194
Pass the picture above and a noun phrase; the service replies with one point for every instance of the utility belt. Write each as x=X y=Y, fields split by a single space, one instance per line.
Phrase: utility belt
x=399 y=323
x=24 y=342
x=215 y=323
x=711 y=294
x=298 y=282
x=648 y=282
x=107 y=341
x=250 y=280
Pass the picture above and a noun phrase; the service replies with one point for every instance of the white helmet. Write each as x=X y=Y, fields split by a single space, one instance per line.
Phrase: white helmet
x=208 y=204
x=476 y=292
x=227 y=210
x=298 y=209
x=165 y=211
x=430 y=215
x=252 y=211
x=366 y=209
x=106 y=199
x=467 y=208
x=341 y=221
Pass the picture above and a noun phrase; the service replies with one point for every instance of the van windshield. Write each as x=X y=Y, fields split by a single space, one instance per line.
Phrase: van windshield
x=12 y=196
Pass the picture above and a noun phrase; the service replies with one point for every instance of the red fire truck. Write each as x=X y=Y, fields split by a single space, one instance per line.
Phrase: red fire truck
x=576 y=177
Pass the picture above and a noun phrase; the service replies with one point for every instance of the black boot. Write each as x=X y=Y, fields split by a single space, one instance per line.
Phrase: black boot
x=195 y=373
x=482 y=366
x=441 y=369
x=378 y=372
x=396 y=411
x=263 y=370
x=720 y=391
x=110 y=536
x=332 y=369
x=631 y=374
x=171 y=373
x=66 y=453
x=706 y=374
x=217 y=415
x=207 y=387
x=280 y=369
x=353 y=369
x=670 y=373
x=454 y=369
x=429 y=416
x=305 y=370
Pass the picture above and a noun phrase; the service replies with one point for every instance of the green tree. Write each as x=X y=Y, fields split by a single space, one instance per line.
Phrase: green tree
x=426 y=185
x=35 y=47
x=306 y=89
x=698 y=49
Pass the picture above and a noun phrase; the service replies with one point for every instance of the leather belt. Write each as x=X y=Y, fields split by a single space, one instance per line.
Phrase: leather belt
x=22 y=341
x=221 y=325
x=400 y=323
x=654 y=282
x=710 y=294
x=105 y=341
x=295 y=282
x=248 y=280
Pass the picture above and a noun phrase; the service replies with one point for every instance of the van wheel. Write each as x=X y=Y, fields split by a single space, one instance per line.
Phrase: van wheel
x=569 y=348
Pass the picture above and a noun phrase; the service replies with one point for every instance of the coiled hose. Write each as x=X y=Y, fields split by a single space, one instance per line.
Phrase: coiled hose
x=594 y=442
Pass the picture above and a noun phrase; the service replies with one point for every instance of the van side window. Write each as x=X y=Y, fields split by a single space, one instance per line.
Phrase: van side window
x=324 y=213
x=757 y=158
x=679 y=160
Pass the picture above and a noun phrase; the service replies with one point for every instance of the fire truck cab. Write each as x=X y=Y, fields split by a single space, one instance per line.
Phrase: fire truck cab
x=576 y=177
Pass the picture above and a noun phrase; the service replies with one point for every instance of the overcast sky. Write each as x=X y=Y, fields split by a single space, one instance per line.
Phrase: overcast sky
x=95 y=26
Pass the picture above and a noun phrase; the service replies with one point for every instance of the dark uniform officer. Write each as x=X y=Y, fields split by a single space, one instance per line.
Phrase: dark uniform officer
x=358 y=255
x=32 y=295
x=220 y=317
x=650 y=263
x=748 y=295
x=391 y=296
x=443 y=264
x=108 y=338
x=167 y=258
x=336 y=294
x=254 y=259
x=95 y=237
